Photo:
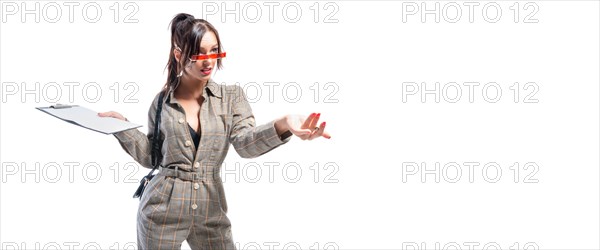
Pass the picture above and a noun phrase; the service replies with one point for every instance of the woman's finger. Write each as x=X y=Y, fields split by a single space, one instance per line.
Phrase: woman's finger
x=322 y=131
x=106 y=114
x=308 y=120
x=322 y=128
x=314 y=121
x=318 y=132
x=112 y=114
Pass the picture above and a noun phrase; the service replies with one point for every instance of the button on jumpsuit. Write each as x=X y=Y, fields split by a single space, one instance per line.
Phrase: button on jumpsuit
x=186 y=199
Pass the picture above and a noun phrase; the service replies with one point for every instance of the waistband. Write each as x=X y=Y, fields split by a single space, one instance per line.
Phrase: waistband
x=174 y=171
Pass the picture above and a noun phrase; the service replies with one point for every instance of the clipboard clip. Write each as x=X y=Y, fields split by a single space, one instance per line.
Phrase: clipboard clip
x=62 y=106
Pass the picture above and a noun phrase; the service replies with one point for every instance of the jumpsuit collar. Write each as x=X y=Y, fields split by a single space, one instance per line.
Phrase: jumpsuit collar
x=211 y=86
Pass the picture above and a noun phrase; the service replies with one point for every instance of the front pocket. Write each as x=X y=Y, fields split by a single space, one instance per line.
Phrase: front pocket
x=156 y=196
x=150 y=190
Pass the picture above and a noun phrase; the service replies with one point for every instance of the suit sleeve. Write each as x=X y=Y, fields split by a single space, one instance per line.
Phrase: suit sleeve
x=138 y=144
x=249 y=140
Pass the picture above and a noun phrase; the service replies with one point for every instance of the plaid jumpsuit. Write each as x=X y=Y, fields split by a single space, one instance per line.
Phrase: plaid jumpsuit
x=186 y=199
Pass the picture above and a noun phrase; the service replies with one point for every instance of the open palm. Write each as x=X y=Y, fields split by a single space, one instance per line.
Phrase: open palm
x=306 y=127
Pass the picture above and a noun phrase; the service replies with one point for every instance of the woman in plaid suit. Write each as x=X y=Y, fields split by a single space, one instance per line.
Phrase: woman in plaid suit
x=199 y=120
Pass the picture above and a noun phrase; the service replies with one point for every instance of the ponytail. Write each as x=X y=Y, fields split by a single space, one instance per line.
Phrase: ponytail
x=172 y=66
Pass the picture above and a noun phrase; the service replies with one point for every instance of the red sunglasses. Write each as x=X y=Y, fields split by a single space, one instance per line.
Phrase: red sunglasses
x=209 y=56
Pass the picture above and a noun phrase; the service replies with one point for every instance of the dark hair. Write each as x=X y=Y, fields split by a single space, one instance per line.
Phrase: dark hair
x=187 y=32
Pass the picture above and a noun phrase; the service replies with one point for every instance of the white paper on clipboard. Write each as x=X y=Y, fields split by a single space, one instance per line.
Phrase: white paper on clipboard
x=88 y=118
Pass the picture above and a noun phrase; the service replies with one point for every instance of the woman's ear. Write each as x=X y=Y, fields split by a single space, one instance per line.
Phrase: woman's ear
x=177 y=54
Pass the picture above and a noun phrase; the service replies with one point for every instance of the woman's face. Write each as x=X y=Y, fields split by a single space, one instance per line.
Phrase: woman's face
x=201 y=69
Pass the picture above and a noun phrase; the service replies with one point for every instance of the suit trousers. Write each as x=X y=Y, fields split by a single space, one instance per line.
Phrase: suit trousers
x=178 y=205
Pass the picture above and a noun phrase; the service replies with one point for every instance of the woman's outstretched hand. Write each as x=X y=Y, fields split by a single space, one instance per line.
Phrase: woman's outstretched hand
x=304 y=127
x=112 y=114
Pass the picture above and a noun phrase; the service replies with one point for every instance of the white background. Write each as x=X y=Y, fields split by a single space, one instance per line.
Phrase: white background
x=368 y=55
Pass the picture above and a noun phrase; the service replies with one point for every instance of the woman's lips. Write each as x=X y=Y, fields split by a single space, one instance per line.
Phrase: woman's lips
x=206 y=71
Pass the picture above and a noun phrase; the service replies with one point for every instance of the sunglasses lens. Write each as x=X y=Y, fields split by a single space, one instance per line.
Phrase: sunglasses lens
x=211 y=56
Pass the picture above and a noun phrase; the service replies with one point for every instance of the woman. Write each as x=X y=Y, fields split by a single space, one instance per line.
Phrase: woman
x=199 y=119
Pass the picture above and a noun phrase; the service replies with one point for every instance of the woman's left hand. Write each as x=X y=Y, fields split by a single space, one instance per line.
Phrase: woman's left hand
x=305 y=127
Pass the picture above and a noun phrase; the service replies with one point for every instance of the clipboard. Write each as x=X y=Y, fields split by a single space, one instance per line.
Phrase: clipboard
x=88 y=118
